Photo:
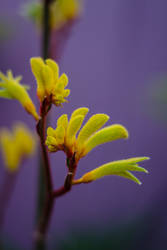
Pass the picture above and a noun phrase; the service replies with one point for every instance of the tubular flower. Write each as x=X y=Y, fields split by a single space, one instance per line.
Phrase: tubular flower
x=90 y=135
x=61 y=12
x=121 y=168
x=14 y=148
x=49 y=84
x=11 y=88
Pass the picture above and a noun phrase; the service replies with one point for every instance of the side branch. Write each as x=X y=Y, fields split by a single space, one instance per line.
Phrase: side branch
x=68 y=180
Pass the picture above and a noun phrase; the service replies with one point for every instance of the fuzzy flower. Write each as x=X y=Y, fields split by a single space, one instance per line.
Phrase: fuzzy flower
x=77 y=142
x=49 y=84
x=121 y=168
x=90 y=135
x=61 y=12
x=11 y=88
x=16 y=145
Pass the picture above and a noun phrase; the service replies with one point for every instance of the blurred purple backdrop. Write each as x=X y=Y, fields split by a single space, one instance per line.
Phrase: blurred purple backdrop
x=111 y=58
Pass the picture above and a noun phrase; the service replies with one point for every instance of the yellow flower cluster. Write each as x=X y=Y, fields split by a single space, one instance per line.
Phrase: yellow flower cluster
x=49 y=84
x=120 y=168
x=11 y=88
x=76 y=141
x=16 y=145
x=91 y=135
x=69 y=135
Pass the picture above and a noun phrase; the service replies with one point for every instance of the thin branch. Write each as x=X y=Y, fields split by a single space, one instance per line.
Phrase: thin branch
x=48 y=177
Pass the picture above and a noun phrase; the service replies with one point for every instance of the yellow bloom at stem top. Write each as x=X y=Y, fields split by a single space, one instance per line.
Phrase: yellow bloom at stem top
x=11 y=88
x=61 y=12
x=89 y=136
x=16 y=145
x=49 y=84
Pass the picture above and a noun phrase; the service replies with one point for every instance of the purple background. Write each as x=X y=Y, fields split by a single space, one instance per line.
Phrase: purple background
x=112 y=58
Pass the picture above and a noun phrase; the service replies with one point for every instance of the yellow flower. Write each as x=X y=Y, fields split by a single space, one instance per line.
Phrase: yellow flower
x=16 y=145
x=120 y=168
x=91 y=135
x=77 y=142
x=49 y=84
x=62 y=11
x=11 y=88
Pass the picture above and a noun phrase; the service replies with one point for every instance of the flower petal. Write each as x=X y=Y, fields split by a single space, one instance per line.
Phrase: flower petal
x=130 y=176
x=66 y=93
x=63 y=121
x=80 y=111
x=51 y=141
x=63 y=80
x=73 y=127
x=5 y=94
x=51 y=131
x=47 y=78
x=107 y=134
x=92 y=125
x=36 y=66
x=55 y=68
x=60 y=135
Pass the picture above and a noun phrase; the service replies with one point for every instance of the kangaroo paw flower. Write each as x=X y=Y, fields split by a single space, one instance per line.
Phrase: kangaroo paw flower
x=61 y=12
x=16 y=145
x=121 y=168
x=89 y=136
x=77 y=141
x=11 y=88
x=49 y=84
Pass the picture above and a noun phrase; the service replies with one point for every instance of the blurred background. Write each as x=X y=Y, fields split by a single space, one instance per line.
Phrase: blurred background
x=116 y=61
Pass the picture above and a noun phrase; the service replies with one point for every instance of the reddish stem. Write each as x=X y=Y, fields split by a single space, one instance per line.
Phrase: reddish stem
x=41 y=127
x=50 y=201
x=45 y=217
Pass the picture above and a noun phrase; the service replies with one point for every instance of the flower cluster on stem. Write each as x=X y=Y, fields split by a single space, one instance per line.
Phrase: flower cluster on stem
x=69 y=136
